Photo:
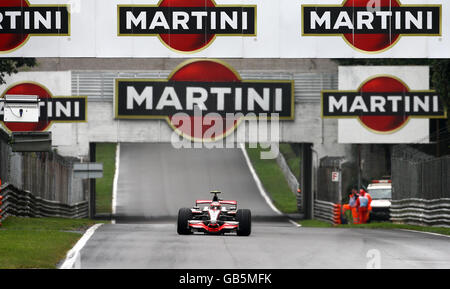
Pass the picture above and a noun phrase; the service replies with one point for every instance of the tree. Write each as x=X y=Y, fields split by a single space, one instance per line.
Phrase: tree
x=440 y=78
x=9 y=66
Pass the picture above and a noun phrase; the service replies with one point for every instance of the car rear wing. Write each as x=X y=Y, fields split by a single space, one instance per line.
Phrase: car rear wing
x=229 y=202
x=200 y=202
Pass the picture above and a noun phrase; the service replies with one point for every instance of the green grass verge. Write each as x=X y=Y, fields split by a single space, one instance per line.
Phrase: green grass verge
x=38 y=242
x=375 y=225
x=273 y=181
x=292 y=160
x=315 y=224
x=106 y=154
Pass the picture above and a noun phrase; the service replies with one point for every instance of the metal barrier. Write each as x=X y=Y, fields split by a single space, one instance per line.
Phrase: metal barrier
x=418 y=175
x=335 y=191
x=47 y=175
x=22 y=203
x=414 y=211
x=327 y=211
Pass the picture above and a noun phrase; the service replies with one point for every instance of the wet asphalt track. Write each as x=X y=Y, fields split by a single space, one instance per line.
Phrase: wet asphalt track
x=155 y=180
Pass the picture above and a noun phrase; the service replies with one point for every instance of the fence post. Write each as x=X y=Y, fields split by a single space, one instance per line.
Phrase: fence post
x=92 y=183
x=306 y=179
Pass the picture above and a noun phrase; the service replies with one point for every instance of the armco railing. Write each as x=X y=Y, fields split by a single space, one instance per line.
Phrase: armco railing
x=327 y=211
x=16 y=202
x=421 y=212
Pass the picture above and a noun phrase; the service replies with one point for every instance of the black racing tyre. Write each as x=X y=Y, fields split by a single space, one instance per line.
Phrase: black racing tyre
x=184 y=215
x=244 y=217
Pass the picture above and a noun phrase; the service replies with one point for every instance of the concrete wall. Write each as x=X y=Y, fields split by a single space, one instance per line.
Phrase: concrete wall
x=134 y=64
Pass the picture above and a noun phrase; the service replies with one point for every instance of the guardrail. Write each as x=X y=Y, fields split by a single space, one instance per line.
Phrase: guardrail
x=21 y=203
x=414 y=211
x=327 y=211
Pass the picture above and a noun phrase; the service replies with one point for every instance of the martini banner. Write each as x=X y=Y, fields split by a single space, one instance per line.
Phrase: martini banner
x=225 y=28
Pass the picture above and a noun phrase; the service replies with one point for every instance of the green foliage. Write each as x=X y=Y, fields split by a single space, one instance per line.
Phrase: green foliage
x=106 y=154
x=315 y=224
x=10 y=66
x=273 y=180
x=292 y=159
x=440 y=77
x=38 y=242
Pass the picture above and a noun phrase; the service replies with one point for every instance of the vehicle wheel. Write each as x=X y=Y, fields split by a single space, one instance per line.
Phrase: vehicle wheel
x=184 y=215
x=244 y=217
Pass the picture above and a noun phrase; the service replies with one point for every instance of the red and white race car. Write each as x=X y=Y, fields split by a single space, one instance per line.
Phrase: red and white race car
x=214 y=218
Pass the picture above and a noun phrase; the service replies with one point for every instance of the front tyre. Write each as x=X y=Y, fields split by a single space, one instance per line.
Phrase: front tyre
x=244 y=217
x=184 y=215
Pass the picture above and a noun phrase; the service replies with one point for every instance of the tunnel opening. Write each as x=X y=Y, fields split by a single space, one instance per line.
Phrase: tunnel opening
x=154 y=180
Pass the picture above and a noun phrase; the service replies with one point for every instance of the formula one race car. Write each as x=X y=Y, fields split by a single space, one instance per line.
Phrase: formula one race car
x=214 y=218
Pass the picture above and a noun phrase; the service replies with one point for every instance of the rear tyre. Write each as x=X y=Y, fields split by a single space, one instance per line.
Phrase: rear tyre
x=184 y=215
x=244 y=217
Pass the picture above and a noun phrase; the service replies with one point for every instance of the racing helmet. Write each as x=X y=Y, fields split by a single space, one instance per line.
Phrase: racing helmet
x=215 y=206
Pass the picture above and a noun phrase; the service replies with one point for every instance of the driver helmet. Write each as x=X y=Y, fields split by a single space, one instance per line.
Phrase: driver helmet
x=215 y=206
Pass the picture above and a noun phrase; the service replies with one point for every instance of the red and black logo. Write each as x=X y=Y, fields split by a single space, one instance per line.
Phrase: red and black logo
x=186 y=26
x=51 y=108
x=203 y=99
x=371 y=26
x=383 y=104
x=19 y=20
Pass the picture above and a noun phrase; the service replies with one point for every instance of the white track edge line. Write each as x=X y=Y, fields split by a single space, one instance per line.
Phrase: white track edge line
x=295 y=223
x=74 y=253
x=428 y=233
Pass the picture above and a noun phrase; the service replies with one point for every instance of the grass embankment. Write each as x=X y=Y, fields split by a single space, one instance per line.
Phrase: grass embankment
x=292 y=160
x=375 y=225
x=38 y=242
x=273 y=181
x=106 y=154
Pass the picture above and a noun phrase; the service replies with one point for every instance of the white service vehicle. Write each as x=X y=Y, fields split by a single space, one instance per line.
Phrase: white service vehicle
x=381 y=193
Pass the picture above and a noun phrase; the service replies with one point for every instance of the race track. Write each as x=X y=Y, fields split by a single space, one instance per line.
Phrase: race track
x=155 y=180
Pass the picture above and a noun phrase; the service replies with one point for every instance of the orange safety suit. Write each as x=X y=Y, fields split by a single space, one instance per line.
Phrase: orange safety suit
x=363 y=210
x=353 y=206
x=369 y=206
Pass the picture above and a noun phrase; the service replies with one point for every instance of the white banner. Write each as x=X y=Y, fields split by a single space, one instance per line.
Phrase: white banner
x=359 y=130
x=225 y=28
